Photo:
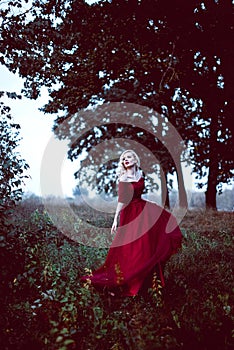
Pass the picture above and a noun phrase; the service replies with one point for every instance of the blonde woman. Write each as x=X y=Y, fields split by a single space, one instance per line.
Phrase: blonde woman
x=146 y=235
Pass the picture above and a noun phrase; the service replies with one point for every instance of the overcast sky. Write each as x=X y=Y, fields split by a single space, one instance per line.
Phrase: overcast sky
x=39 y=147
x=36 y=133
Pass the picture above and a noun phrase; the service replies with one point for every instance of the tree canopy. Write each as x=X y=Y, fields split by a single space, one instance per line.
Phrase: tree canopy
x=175 y=58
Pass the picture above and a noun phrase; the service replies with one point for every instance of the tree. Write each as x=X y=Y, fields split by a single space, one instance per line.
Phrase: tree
x=12 y=166
x=135 y=52
x=210 y=82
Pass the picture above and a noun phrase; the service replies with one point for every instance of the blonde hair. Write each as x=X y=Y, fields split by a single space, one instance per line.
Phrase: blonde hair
x=121 y=169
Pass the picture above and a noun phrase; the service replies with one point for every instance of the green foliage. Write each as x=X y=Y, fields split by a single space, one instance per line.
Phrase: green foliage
x=12 y=166
x=173 y=57
x=45 y=305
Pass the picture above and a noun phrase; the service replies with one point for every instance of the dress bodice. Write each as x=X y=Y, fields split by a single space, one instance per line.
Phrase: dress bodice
x=130 y=191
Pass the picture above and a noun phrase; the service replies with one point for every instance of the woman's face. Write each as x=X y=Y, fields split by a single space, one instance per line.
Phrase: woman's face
x=128 y=160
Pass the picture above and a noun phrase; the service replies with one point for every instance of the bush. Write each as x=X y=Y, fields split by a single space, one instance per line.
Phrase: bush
x=12 y=167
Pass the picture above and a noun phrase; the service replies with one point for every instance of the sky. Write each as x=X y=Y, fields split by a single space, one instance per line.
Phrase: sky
x=45 y=154
x=36 y=133
x=50 y=170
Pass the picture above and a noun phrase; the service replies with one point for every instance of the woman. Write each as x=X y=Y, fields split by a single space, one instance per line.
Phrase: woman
x=146 y=237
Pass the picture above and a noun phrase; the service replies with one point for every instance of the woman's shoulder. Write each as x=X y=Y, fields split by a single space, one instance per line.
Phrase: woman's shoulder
x=123 y=178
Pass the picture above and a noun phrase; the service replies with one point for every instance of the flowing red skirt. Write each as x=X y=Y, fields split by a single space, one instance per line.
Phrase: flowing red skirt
x=147 y=237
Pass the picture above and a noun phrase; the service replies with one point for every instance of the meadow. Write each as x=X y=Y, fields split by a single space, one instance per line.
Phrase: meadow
x=45 y=306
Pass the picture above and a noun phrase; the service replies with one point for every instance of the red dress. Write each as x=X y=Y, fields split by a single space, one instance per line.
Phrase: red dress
x=146 y=237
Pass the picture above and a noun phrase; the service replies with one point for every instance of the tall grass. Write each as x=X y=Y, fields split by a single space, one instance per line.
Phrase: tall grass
x=44 y=305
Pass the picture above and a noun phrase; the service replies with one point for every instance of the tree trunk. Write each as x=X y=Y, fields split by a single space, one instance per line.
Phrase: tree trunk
x=213 y=166
x=164 y=187
x=183 y=201
x=211 y=186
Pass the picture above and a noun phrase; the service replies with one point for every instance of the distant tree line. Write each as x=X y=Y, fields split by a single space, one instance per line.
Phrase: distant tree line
x=225 y=200
x=173 y=57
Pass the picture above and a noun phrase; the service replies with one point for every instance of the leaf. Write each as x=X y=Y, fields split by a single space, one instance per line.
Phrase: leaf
x=68 y=342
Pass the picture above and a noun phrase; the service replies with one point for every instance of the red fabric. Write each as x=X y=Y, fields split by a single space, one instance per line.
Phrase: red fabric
x=147 y=236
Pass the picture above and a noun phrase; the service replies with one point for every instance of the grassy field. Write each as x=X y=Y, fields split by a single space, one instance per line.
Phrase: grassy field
x=44 y=305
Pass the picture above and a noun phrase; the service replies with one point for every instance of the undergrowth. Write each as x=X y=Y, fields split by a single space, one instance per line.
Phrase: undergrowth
x=45 y=306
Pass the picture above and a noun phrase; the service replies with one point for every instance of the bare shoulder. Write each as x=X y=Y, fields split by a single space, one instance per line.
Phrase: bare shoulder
x=123 y=178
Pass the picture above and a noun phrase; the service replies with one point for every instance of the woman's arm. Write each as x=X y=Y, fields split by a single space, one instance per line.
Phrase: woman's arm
x=115 y=222
x=122 y=200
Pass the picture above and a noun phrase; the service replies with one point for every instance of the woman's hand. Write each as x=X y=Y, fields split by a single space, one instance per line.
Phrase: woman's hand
x=115 y=222
x=114 y=227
